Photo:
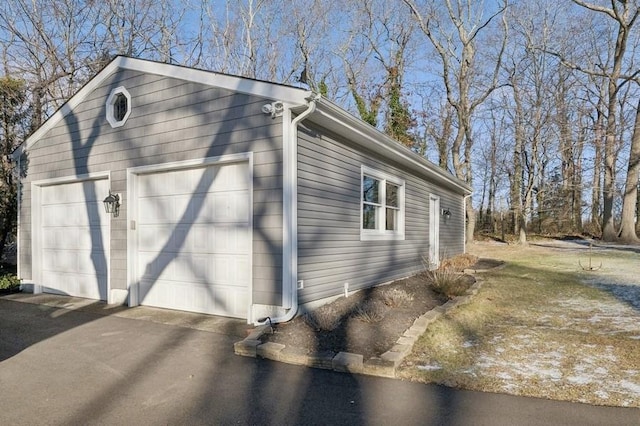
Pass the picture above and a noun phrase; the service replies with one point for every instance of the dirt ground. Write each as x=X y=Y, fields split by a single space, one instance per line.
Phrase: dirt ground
x=368 y=338
x=355 y=334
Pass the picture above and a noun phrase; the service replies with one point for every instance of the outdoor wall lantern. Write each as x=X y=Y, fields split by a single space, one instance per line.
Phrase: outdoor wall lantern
x=446 y=214
x=112 y=204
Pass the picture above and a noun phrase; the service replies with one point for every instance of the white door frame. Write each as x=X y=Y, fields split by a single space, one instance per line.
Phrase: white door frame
x=132 y=213
x=434 y=231
x=36 y=226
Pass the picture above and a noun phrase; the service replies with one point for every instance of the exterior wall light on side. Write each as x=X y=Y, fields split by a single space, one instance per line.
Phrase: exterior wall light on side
x=446 y=214
x=112 y=204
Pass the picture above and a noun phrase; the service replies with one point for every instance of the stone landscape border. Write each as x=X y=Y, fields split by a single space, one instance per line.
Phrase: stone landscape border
x=347 y=362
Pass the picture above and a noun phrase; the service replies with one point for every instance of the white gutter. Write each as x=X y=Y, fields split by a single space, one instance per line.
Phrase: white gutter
x=290 y=214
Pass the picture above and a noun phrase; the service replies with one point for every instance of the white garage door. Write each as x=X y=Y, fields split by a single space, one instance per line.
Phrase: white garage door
x=74 y=239
x=194 y=236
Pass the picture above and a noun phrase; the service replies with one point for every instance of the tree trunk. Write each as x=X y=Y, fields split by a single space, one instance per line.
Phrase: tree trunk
x=627 y=230
x=596 y=180
x=638 y=210
x=576 y=197
x=522 y=234
x=517 y=182
x=471 y=221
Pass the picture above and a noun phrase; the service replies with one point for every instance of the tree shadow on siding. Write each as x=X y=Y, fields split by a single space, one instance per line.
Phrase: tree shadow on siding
x=265 y=379
x=154 y=268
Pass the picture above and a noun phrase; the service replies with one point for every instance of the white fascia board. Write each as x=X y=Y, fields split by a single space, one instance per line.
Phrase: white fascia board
x=244 y=85
x=372 y=138
x=249 y=86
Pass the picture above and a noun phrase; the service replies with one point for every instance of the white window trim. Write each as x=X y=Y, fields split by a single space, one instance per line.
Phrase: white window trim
x=110 y=103
x=380 y=233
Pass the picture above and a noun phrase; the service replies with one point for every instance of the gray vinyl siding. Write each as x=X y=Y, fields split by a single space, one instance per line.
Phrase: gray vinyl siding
x=330 y=252
x=171 y=120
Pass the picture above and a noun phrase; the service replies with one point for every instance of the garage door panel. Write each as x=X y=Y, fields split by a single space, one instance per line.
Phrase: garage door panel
x=195 y=255
x=61 y=261
x=231 y=207
x=243 y=266
x=232 y=177
x=98 y=215
x=96 y=263
x=153 y=238
x=187 y=182
x=231 y=240
x=93 y=238
x=190 y=268
x=74 y=238
x=156 y=266
x=153 y=185
x=155 y=210
x=194 y=297
x=58 y=238
x=74 y=215
x=200 y=239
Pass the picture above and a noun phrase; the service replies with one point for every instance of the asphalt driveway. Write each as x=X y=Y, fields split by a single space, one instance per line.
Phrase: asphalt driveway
x=64 y=365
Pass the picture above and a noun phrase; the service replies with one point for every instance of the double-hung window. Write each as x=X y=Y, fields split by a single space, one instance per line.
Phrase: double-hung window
x=382 y=206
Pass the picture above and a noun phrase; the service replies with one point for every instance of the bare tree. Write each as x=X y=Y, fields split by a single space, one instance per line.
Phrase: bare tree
x=12 y=128
x=435 y=119
x=375 y=59
x=453 y=33
x=45 y=42
x=630 y=197
x=624 y=14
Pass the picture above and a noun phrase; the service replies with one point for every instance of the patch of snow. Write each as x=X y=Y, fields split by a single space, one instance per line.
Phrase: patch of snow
x=504 y=376
x=601 y=370
x=579 y=380
x=607 y=316
x=468 y=344
x=631 y=387
x=429 y=367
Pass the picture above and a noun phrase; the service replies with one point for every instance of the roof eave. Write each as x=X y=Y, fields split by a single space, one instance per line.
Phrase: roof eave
x=369 y=137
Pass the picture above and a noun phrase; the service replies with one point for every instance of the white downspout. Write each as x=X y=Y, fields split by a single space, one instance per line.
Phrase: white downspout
x=19 y=206
x=290 y=215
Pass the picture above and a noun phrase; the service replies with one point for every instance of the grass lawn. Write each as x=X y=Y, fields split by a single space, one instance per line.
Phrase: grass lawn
x=542 y=326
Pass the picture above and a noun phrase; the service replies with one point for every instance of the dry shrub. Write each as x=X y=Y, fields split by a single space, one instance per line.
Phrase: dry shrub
x=447 y=282
x=396 y=297
x=370 y=311
x=325 y=318
x=459 y=262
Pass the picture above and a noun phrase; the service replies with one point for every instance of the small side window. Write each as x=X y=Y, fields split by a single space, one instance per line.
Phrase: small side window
x=118 y=106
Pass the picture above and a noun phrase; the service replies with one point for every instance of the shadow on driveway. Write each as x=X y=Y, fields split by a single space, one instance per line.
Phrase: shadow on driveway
x=63 y=366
